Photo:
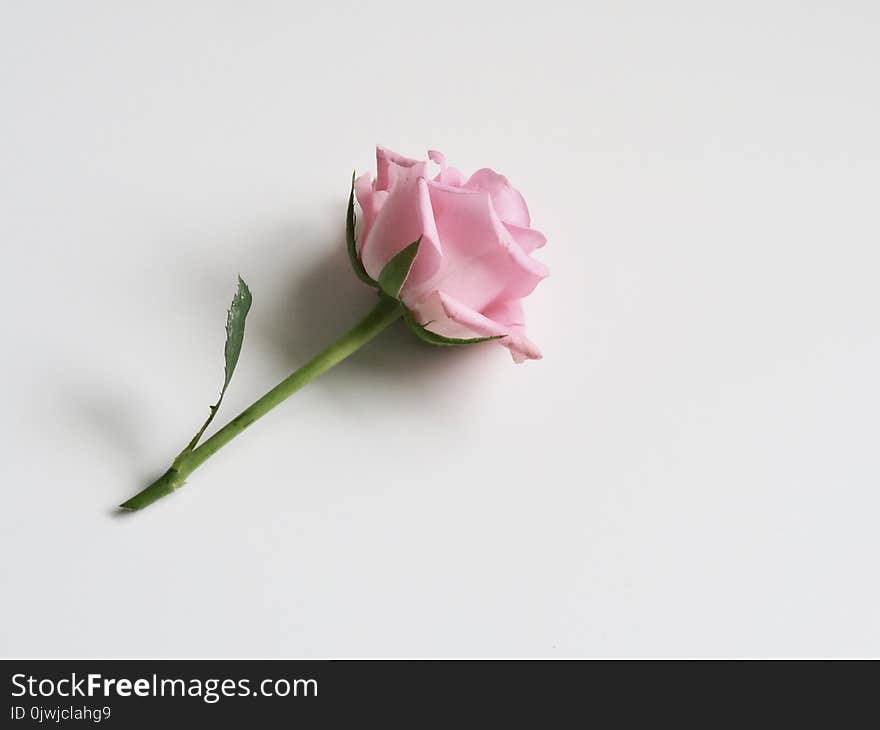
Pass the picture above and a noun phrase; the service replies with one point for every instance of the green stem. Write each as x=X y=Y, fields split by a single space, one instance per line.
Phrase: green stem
x=384 y=313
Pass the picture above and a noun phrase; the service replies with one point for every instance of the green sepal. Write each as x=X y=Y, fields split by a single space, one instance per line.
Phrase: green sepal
x=351 y=241
x=395 y=272
x=435 y=339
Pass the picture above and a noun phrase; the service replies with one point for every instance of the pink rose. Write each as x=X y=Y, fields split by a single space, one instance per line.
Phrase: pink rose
x=473 y=264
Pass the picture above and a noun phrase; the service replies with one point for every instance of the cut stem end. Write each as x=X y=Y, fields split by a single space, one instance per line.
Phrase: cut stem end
x=163 y=486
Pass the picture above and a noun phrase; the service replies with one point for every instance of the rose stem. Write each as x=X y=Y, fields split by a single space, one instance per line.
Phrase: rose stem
x=382 y=315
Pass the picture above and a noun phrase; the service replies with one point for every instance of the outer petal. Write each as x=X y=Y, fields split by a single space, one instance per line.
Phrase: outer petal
x=481 y=261
x=510 y=315
x=390 y=166
x=508 y=202
x=429 y=313
x=455 y=319
x=451 y=176
x=528 y=238
x=405 y=215
x=447 y=175
x=370 y=201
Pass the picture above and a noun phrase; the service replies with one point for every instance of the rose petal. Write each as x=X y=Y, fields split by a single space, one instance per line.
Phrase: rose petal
x=509 y=204
x=481 y=262
x=450 y=176
x=521 y=348
x=370 y=201
x=405 y=216
x=509 y=312
x=390 y=165
x=528 y=238
x=447 y=175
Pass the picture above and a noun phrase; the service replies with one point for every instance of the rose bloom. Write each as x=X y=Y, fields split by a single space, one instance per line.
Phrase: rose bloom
x=473 y=266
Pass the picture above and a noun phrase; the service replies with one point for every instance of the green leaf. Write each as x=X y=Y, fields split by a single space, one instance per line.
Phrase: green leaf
x=351 y=241
x=394 y=273
x=436 y=339
x=238 y=311
x=235 y=317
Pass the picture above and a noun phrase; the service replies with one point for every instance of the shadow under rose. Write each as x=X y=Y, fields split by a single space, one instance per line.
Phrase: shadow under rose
x=113 y=422
x=303 y=304
x=317 y=303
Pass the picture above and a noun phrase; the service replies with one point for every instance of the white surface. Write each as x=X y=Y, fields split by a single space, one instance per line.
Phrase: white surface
x=691 y=470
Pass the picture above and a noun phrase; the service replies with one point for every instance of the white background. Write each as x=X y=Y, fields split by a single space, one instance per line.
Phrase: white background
x=691 y=470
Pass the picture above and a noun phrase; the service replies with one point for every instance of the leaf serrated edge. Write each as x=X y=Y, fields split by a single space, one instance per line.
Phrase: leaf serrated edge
x=236 y=316
x=238 y=308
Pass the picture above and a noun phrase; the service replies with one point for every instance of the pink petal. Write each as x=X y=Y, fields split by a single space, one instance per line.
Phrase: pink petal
x=370 y=201
x=405 y=215
x=428 y=311
x=528 y=238
x=390 y=165
x=450 y=176
x=508 y=313
x=521 y=348
x=481 y=262
x=509 y=204
x=447 y=175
